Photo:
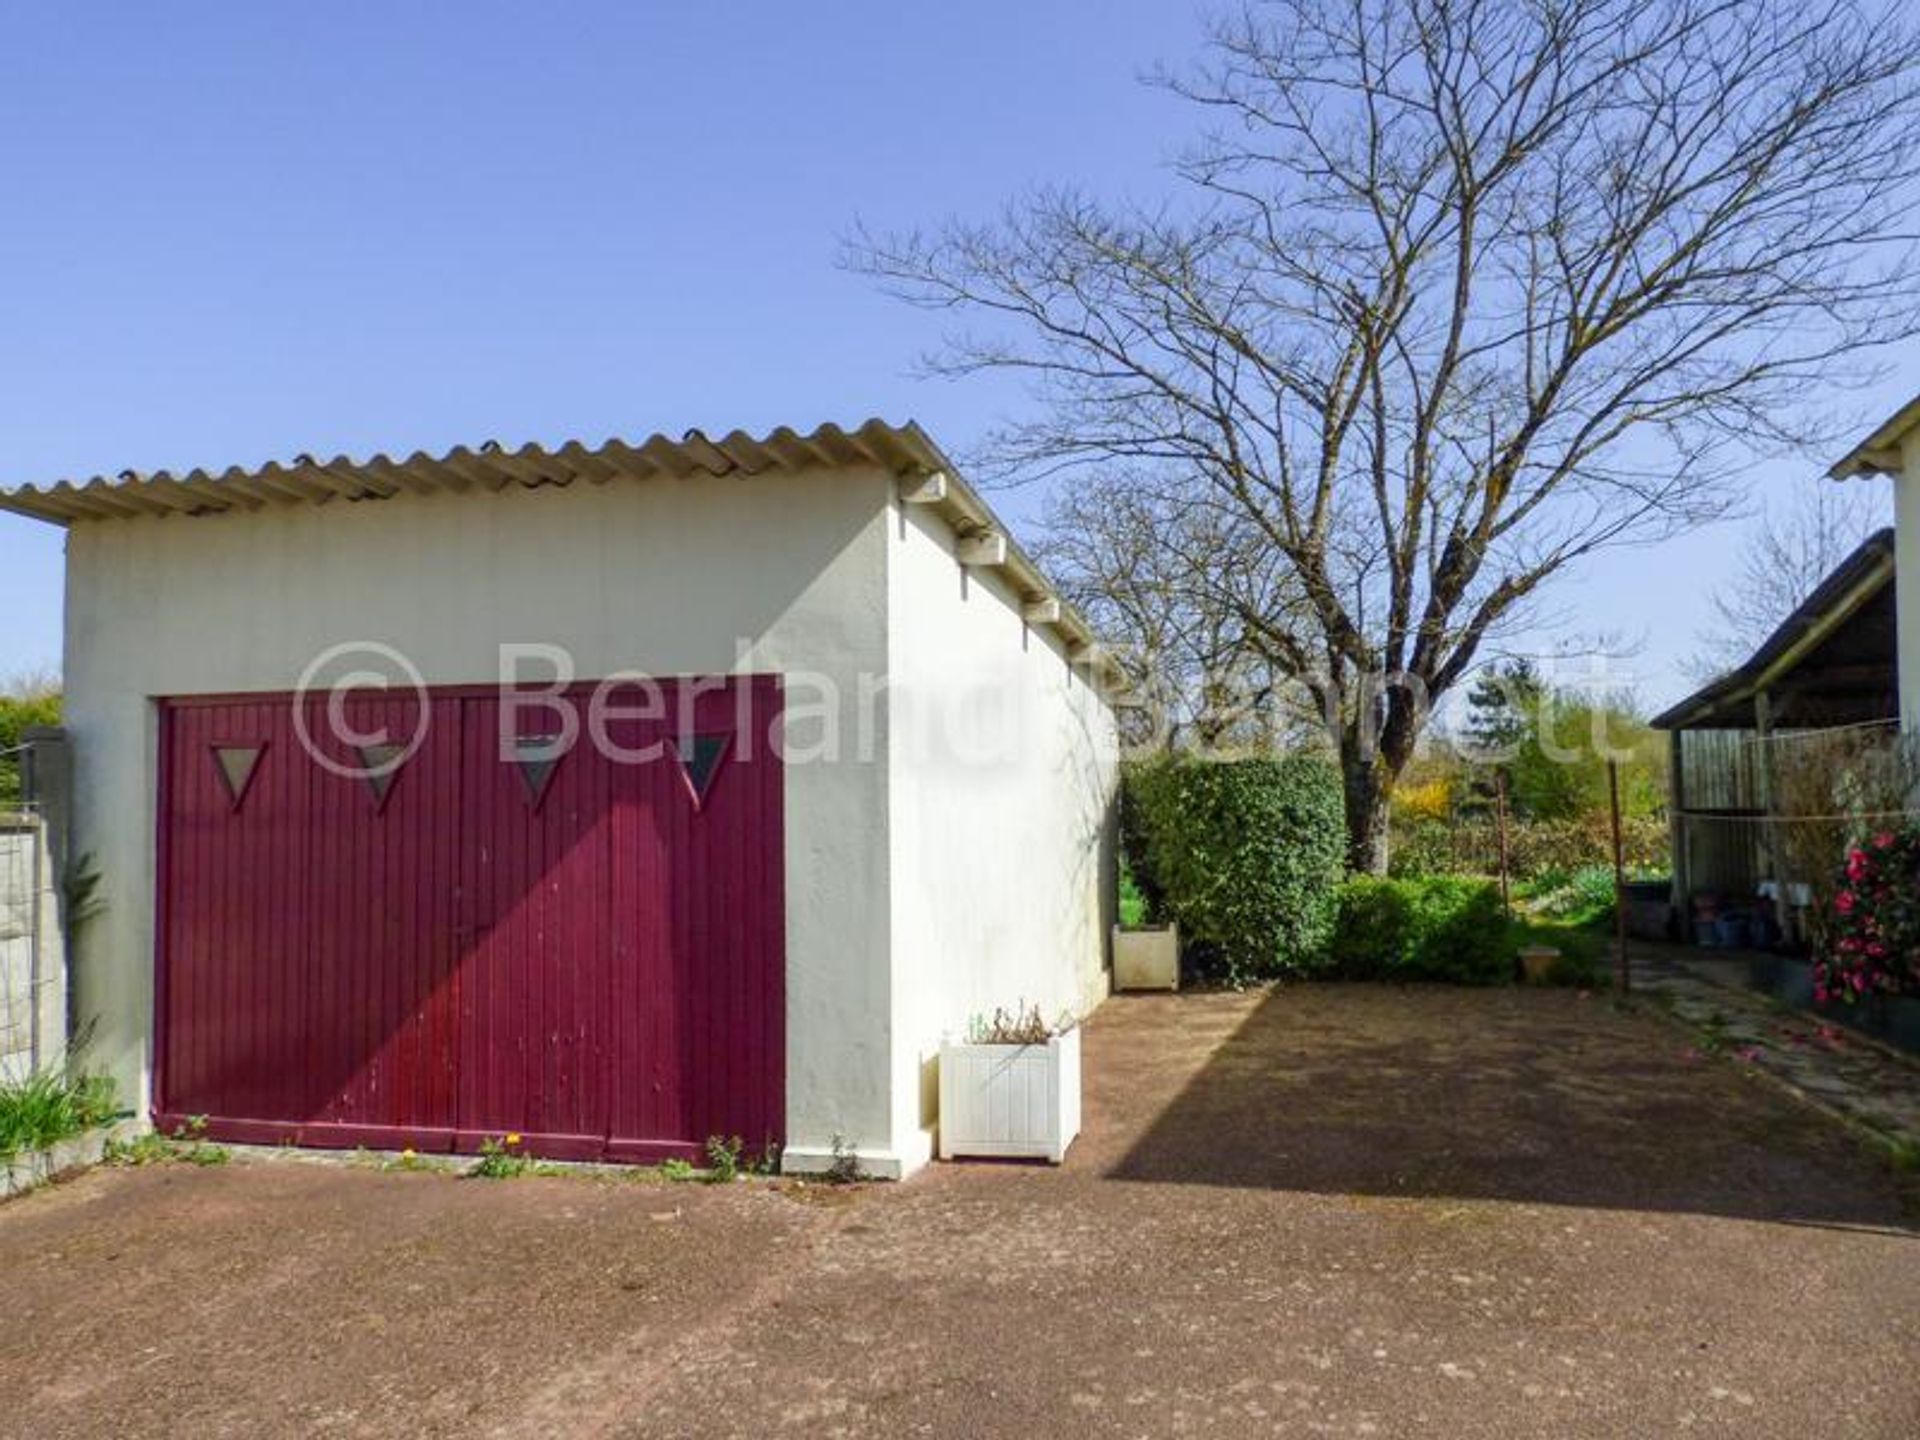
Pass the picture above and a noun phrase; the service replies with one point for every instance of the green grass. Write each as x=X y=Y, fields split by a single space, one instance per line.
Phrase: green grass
x=49 y=1107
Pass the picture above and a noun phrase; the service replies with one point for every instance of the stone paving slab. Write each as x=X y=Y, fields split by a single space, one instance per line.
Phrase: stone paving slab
x=1851 y=1076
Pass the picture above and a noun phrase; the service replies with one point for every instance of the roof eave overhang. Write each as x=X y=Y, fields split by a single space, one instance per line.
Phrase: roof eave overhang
x=1738 y=687
x=1880 y=452
x=906 y=451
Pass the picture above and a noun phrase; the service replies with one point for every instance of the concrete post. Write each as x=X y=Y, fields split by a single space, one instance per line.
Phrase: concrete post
x=1678 y=830
x=1774 y=842
x=47 y=778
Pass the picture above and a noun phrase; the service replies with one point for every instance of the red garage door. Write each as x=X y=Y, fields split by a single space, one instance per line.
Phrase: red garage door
x=362 y=944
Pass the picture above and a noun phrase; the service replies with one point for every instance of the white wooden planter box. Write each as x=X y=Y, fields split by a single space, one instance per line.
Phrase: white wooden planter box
x=1010 y=1099
x=1146 y=957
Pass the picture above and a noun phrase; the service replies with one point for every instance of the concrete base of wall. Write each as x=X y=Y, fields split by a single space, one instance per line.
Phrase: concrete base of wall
x=39 y=1167
x=874 y=1164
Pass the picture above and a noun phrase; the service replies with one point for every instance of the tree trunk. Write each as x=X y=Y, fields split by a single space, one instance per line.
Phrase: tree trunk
x=1368 y=790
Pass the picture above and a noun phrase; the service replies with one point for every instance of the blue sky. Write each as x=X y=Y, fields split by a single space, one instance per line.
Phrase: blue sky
x=240 y=232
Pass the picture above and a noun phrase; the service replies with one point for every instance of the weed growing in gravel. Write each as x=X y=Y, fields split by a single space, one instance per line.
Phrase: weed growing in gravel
x=845 y=1167
x=501 y=1159
x=723 y=1159
x=187 y=1145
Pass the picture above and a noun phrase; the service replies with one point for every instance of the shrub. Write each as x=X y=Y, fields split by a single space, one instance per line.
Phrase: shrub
x=1870 y=943
x=1373 y=928
x=1580 y=897
x=22 y=706
x=1537 y=850
x=1443 y=927
x=1246 y=855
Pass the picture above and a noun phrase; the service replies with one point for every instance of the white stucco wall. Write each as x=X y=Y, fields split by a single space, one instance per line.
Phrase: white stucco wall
x=784 y=573
x=1004 y=766
x=1907 y=578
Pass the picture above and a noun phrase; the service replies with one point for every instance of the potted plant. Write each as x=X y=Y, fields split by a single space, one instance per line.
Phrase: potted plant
x=1012 y=1088
x=1538 y=963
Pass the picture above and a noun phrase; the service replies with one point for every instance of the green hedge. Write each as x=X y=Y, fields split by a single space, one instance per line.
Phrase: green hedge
x=1443 y=927
x=1247 y=855
x=18 y=713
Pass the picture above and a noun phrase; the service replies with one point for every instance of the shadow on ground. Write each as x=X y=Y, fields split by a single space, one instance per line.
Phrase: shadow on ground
x=1548 y=1097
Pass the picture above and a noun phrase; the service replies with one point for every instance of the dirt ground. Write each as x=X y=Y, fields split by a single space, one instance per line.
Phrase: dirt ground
x=1347 y=1210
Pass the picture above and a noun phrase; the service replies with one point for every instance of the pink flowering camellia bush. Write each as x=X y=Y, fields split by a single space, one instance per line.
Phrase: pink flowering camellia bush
x=1871 y=941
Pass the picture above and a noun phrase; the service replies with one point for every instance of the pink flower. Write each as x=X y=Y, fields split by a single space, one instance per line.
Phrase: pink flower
x=1883 y=841
x=1843 y=902
x=1857 y=865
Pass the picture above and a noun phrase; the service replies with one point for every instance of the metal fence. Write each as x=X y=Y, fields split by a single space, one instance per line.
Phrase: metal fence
x=32 y=998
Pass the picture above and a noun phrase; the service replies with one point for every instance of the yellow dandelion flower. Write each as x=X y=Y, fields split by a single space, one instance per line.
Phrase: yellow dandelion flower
x=514 y=1138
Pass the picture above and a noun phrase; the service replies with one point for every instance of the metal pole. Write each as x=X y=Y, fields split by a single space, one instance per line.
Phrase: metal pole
x=1619 y=878
x=1500 y=825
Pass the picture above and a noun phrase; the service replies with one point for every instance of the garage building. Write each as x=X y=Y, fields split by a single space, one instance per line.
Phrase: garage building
x=615 y=797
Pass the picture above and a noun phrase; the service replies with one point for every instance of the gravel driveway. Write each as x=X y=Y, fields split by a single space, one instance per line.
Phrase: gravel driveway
x=1347 y=1210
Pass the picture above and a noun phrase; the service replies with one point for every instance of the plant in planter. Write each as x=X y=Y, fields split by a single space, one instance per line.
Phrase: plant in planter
x=1012 y=1088
x=1870 y=943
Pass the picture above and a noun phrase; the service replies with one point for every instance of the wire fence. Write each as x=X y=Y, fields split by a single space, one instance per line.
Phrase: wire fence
x=1766 y=820
x=30 y=1003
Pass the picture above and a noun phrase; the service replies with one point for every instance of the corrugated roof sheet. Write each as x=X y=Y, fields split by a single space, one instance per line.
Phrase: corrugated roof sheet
x=906 y=450
x=1869 y=568
x=490 y=466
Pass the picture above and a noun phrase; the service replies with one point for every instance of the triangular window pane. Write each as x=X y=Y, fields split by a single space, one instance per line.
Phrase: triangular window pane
x=237 y=764
x=380 y=763
x=537 y=756
x=700 y=757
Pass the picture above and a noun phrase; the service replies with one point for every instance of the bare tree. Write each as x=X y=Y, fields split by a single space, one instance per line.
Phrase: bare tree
x=1167 y=582
x=1453 y=294
x=1790 y=547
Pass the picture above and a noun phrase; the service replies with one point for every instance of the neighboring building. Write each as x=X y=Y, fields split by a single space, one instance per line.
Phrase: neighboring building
x=1894 y=450
x=1829 y=665
x=872 y=797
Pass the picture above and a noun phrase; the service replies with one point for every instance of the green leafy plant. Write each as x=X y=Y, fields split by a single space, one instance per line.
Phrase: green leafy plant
x=678 y=1169
x=49 y=1106
x=1443 y=927
x=1581 y=897
x=501 y=1159
x=1870 y=941
x=723 y=1158
x=1246 y=855
x=1133 y=901
x=80 y=887
x=25 y=702
x=186 y=1145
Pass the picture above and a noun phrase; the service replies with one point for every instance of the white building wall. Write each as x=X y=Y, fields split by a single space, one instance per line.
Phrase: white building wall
x=783 y=573
x=1004 y=765
x=1907 y=578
